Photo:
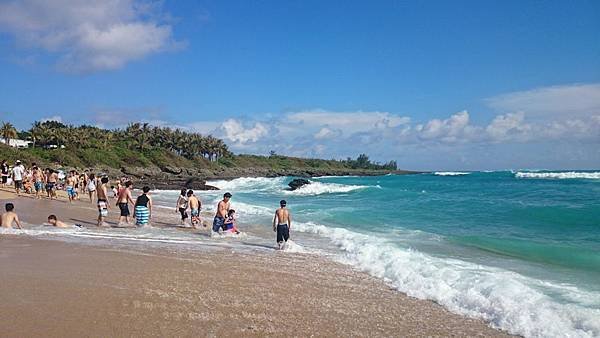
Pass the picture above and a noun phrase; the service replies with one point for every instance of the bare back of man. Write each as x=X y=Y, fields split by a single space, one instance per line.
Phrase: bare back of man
x=8 y=218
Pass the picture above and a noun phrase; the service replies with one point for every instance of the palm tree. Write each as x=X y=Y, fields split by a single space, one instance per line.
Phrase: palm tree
x=8 y=131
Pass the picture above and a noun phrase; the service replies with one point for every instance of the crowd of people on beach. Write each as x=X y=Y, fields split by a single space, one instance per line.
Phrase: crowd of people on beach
x=35 y=181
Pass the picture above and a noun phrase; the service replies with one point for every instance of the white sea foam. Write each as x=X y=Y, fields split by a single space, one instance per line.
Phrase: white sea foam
x=450 y=173
x=293 y=247
x=249 y=184
x=559 y=175
x=505 y=299
x=318 y=188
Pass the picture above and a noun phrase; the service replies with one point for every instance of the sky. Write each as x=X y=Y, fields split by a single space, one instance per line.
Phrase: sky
x=434 y=85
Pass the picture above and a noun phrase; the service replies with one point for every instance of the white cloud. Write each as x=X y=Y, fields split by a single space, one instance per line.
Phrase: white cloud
x=456 y=128
x=348 y=122
x=88 y=36
x=566 y=101
x=505 y=127
x=56 y=118
x=327 y=133
x=235 y=131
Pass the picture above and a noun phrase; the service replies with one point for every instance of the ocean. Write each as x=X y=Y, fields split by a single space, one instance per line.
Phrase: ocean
x=518 y=249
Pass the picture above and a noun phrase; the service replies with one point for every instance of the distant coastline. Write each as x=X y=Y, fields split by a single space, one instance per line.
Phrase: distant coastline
x=162 y=157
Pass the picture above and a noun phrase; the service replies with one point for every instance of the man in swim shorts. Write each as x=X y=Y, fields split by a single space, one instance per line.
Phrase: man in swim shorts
x=38 y=180
x=51 y=178
x=222 y=210
x=195 y=206
x=123 y=202
x=71 y=186
x=282 y=222
x=102 y=202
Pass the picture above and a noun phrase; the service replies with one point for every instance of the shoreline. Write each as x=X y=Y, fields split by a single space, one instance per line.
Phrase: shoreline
x=146 y=290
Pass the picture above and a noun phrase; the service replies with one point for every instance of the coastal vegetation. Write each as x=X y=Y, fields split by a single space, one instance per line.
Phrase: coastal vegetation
x=144 y=145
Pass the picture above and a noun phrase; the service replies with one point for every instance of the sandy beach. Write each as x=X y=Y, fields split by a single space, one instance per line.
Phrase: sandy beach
x=55 y=288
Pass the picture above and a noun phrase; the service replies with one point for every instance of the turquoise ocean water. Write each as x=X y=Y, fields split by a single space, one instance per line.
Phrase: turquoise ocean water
x=520 y=250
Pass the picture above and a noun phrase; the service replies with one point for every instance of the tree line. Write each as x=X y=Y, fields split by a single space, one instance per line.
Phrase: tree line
x=145 y=137
x=136 y=136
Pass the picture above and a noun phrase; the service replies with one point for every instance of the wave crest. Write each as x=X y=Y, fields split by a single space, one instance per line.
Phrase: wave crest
x=319 y=188
x=450 y=173
x=506 y=299
x=559 y=175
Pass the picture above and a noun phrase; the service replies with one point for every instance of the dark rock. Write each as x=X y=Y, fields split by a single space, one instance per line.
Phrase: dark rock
x=297 y=183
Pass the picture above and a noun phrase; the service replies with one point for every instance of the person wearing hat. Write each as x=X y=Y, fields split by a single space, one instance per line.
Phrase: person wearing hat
x=222 y=211
x=282 y=222
x=18 y=172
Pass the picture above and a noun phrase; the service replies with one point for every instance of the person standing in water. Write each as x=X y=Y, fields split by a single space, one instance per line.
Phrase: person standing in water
x=10 y=216
x=143 y=208
x=282 y=223
x=182 y=205
x=222 y=211
x=123 y=202
x=103 y=204
x=195 y=206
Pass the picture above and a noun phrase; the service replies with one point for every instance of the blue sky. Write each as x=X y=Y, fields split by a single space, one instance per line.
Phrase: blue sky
x=432 y=84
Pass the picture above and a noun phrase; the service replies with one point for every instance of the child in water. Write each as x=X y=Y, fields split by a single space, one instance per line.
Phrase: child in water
x=230 y=222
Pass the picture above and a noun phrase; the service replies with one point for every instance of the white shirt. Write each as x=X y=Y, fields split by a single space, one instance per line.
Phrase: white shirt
x=18 y=172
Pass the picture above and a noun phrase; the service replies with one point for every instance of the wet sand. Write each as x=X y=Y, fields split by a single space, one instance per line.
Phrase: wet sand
x=54 y=288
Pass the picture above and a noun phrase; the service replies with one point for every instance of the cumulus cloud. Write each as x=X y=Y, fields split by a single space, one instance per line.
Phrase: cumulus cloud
x=234 y=131
x=89 y=36
x=327 y=133
x=56 y=118
x=565 y=101
x=348 y=122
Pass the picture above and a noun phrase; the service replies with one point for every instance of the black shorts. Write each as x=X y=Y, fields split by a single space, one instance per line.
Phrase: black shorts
x=19 y=184
x=4 y=179
x=283 y=233
x=124 y=209
x=183 y=213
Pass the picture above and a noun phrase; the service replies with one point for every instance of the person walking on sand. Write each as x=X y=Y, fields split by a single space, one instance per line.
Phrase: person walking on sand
x=38 y=181
x=282 y=223
x=102 y=204
x=182 y=205
x=91 y=187
x=143 y=208
x=4 y=172
x=222 y=211
x=195 y=206
x=18 y=173
x=123 y=202
x=10 y=216
x=71 y=186
x=51 y=179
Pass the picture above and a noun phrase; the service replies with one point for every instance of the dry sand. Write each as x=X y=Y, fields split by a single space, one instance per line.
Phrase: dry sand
x=53 y=288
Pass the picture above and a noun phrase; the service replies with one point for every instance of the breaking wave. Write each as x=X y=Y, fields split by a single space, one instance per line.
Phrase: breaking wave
x=505 y=299
x=450 y=173
x=560 y=175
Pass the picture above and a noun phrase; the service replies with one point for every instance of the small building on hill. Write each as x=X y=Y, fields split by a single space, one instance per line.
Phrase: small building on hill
x=16 y=143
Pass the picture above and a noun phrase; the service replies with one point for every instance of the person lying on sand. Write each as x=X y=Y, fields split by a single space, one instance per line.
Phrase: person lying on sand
x=10 y=216
x=282 y=223
x=55 y=222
